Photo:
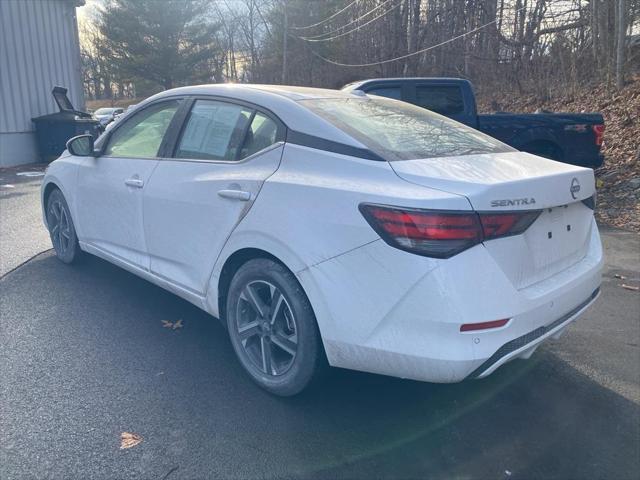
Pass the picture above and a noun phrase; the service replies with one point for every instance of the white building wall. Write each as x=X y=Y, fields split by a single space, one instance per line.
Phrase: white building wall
x=39 y=49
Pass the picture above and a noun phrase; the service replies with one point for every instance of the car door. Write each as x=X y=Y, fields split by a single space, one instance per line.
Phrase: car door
x=194 y=200
x=110 y=186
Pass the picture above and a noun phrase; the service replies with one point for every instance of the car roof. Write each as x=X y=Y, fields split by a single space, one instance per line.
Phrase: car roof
x=242 y=89
x=283 y=101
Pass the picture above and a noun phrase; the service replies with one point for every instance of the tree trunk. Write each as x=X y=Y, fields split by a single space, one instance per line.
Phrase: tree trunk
x=621 y=28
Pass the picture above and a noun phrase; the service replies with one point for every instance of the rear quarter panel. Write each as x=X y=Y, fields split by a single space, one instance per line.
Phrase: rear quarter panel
x=307 y=212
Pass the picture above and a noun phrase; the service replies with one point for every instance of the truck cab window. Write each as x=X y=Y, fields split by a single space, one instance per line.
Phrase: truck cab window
x=442 y=99
x=389 y=92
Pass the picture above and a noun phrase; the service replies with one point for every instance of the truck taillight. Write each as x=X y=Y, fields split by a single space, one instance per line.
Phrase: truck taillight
x=598 y=130
x=439 y=233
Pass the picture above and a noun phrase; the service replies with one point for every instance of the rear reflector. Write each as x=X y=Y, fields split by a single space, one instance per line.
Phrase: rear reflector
x=599 y=131
x=440 y=233
x=470 y=327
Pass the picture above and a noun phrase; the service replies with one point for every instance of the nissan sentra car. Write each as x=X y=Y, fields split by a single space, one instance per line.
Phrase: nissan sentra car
x=334 y=228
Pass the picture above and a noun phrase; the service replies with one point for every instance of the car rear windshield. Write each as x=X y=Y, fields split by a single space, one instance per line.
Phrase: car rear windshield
x=400 y=131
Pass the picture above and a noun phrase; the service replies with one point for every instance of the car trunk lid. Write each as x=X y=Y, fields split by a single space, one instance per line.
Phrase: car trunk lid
x=517 y=181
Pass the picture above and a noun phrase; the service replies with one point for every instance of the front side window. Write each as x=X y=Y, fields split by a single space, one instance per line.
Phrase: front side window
x=141 y=135
x=442 y=99
x=214 y=131
x=401 y=131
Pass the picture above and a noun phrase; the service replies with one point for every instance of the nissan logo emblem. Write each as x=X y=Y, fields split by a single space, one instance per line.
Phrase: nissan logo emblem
x=575 y=187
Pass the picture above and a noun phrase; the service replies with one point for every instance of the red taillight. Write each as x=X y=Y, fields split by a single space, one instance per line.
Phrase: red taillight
x=599 y=132
x=470 y=327
x=496 y=225
x=433 y=233
x=442 y=234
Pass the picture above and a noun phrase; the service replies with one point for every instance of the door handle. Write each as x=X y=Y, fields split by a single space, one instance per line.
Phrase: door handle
x=235 y=195
x=134 y=182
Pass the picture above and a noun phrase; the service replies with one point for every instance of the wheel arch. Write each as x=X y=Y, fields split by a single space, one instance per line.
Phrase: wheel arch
x=47 y=190
x=231 y=266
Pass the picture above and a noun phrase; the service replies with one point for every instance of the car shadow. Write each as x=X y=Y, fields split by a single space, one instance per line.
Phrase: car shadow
x=183 y=390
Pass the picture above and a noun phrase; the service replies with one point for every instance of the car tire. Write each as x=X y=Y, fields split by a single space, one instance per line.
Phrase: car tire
x=61 y=229
x=273 y=329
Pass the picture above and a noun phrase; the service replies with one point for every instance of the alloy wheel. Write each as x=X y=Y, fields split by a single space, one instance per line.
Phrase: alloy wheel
x=60 y=227
x=266 y=327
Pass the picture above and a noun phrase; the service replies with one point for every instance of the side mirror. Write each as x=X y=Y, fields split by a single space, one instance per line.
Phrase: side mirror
x=81 y=146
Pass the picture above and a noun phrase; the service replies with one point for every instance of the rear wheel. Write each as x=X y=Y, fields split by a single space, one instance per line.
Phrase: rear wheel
x=61 y=228
x=272 y=327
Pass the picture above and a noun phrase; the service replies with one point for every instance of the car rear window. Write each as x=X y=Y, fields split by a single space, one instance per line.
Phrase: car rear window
x=400 y=131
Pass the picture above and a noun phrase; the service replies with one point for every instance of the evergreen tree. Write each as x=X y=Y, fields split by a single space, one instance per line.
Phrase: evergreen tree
x=169 y=42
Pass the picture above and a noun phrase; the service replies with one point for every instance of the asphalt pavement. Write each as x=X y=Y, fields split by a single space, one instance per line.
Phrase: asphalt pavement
x=85 y=356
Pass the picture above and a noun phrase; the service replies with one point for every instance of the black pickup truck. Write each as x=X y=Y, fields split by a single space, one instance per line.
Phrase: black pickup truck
x=573 y=138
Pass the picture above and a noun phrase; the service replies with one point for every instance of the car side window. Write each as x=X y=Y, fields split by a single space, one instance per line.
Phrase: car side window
x=214 y=131
x=262 y=132
x=141 y=135
x=442 y=99
x=389 y=92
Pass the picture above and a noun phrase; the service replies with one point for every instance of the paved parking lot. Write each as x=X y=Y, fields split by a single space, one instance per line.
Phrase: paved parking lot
x=84 y=357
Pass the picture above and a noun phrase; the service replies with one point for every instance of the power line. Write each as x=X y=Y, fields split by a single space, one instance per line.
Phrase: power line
x=353 y=29
x=346 y=25
x=326 y=19
x=402 y=57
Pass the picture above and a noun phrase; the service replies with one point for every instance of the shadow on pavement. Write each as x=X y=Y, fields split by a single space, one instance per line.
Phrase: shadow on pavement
x=86 y=357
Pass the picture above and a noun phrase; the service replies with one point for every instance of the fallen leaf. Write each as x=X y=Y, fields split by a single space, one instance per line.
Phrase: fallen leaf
x=128 y=440
x=172 y=325
x=630 y=287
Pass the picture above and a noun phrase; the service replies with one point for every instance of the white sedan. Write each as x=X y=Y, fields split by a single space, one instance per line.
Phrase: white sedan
x=107 y=115
x=333 y=228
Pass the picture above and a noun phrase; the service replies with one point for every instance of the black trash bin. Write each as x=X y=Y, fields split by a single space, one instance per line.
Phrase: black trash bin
x=53 y=130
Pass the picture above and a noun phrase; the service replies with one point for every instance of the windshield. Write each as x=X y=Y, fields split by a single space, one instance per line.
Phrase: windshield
x=104 y=111
x=401 y=131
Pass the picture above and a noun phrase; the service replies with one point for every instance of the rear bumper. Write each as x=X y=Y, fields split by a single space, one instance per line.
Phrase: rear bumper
x=385 y=311
x=525 y=345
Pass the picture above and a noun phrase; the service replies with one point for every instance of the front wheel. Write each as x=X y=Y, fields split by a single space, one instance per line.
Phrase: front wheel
x=61 y=228
x=272 y=327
